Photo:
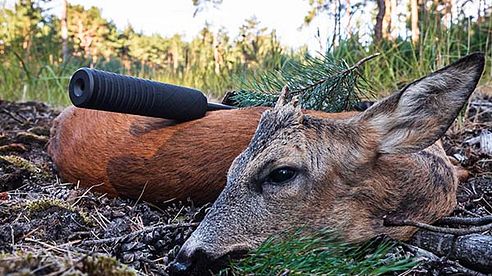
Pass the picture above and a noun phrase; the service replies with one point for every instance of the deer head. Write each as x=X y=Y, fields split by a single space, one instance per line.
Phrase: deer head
x=343 y=174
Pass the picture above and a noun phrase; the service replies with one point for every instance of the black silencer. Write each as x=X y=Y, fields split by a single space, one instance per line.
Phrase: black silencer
x=96 y=89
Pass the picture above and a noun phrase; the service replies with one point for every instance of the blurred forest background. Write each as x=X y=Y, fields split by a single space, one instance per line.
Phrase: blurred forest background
x=39 y=51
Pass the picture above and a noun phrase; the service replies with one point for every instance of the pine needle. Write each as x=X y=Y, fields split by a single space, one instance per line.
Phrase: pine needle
x=321 y=253
x=322 y=83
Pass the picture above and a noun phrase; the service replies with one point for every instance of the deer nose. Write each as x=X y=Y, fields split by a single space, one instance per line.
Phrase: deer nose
x=182 y=267
x=188 y=262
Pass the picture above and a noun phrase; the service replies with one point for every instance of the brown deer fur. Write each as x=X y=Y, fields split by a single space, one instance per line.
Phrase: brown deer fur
x=128 y=155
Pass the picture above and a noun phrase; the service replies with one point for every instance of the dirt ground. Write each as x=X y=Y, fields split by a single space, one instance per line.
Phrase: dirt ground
x=43 y=220
x=51 y=227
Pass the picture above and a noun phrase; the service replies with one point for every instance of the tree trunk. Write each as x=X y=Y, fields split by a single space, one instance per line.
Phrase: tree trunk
x=187 y=59
x=378 y=28
x=336 y=26
x=349 y=18
x=175 y=59
x=479 y=14
x=394 y=20
x=387 y=19
x=415 y=21
x=64 y=30
x=27 y=48
x=127 y=64
x=217 y=60
x=447 y=13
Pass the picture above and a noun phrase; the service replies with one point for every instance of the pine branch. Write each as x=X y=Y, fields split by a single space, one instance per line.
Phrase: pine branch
x=322 y=83
x=321 y=253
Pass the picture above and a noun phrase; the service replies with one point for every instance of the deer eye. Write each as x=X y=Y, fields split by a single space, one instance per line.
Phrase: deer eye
x=281 y=175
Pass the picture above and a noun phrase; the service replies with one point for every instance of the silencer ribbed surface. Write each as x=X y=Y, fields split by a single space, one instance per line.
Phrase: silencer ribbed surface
x=96 y=89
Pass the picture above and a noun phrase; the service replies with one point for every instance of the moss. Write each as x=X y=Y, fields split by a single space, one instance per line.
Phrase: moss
x=85 y=217
x=21 y=163
x=45 y=203
x=24 y=164
x=104 y=265
x=21 y=263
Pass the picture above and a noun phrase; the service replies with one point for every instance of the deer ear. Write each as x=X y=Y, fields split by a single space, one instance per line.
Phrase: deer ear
x=420 y=114
x=283 y=97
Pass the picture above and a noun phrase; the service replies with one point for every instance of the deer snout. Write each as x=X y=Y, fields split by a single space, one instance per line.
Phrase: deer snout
x=195 y=259
x=190 y=261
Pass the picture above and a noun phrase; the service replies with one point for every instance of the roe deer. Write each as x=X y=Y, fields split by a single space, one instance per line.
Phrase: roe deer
x=343 y=174
x=153 y=159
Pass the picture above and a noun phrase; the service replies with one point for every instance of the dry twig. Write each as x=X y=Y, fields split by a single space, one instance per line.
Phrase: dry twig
x=453 y=231
x=465 y=221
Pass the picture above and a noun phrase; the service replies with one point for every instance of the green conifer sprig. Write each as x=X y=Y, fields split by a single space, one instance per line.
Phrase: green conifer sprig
x=322 y=253
x=321 y=82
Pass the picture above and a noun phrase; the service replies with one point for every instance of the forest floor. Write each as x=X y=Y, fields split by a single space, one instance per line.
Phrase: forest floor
x=51 y=227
